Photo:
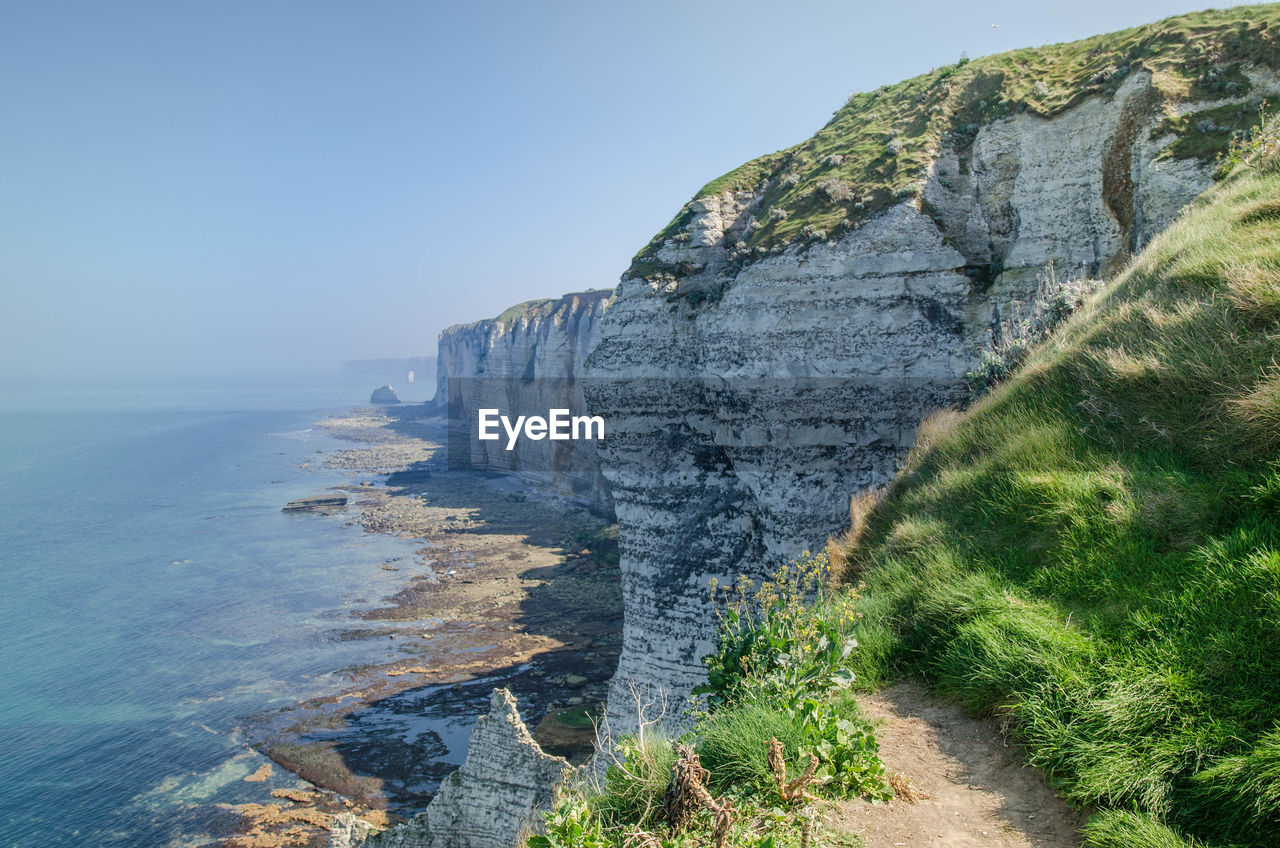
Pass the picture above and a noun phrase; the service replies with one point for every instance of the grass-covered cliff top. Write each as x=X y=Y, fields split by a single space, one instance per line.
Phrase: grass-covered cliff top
x=1093 y=550
x=541 y=308
x=878 y=145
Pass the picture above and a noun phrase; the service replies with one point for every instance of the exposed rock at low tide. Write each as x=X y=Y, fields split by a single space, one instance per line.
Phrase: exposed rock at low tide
x=384 y=395
x=316 y=503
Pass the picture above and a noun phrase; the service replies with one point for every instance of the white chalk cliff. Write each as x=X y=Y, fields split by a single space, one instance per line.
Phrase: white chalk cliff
x=774 y=349
x=504 y=782
x=747 y=399
x=527 y=361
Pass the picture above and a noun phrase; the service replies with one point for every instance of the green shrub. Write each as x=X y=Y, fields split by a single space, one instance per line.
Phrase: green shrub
x=788 y=639
x=1259 y=145
x=733 y=744
x=846 y=748
x=782 y=658
x=571 y=823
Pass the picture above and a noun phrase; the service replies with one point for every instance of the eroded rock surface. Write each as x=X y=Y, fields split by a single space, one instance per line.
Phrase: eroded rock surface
x=384 y=395
x=747 y=400
x=504 y=782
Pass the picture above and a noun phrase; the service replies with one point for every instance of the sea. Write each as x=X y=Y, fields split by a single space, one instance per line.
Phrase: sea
x=153 y=596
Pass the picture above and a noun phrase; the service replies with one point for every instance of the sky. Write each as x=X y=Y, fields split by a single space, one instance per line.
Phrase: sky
x=276 y=186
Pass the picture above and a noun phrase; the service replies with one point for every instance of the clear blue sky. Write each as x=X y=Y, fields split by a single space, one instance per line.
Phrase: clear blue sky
x=279 y=185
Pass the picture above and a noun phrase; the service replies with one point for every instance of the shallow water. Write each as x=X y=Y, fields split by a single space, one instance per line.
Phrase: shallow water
x=154 y=595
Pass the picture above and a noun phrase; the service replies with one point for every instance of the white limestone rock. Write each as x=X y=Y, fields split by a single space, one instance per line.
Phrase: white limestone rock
x=530 y=361
x=850 y=343
x=506 y=780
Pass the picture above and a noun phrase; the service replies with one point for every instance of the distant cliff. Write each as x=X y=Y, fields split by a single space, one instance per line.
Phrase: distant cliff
x=772 y=350
x=528 y=360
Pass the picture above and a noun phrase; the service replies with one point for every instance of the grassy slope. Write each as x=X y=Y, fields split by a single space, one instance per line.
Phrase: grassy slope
x=1196 y=56
x=1094 y=549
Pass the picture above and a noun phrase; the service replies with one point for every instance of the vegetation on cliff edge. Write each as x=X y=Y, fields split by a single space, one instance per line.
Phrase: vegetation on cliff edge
x=778 y=733
x=877 y=147
x=1093 y=550
x=540 y=308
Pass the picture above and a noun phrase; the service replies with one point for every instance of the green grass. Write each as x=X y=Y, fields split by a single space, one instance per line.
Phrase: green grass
x=734 y=745
x=1093 y=550
x=1120 y=829
x=514 y=313
x=635 y=784
x=544 y=306
x=1191 y=57
x=579 y=718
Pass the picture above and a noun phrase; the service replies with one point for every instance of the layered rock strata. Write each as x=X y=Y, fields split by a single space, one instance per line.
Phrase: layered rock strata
x=750 y=395
x=526 y=361
x=505 y=781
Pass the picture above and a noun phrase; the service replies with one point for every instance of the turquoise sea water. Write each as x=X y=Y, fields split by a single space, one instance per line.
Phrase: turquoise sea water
x=153 y=595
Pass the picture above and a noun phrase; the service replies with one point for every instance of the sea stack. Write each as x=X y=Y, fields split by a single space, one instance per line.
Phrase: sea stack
x=384 y=395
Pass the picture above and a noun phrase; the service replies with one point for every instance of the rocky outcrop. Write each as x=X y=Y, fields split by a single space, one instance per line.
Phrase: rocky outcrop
x=316 y=503
x=384 y=396
x=526 y=361
x=348 y=831
x=504 y=782
x=748 y=396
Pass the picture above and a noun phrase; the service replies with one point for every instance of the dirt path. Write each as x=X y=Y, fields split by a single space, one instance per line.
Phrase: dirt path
x=975 y=790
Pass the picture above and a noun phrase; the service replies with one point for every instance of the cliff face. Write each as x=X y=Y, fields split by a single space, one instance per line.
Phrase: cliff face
x=486 y=803
x=525 y=362
x=751 y=384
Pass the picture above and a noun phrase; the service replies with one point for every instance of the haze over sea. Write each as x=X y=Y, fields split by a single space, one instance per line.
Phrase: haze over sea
x=155 y=596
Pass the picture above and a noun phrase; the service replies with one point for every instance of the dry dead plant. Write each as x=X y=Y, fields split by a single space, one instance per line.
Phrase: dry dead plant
x=794 y=790
x=638 y=838
x=650 y=709
x=687 y=793
x=905 y=790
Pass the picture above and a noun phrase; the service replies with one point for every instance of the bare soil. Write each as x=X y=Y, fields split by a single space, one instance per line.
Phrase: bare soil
x=971 y=787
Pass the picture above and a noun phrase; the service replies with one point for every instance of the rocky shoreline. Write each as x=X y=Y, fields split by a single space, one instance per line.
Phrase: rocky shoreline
x=510 y=587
